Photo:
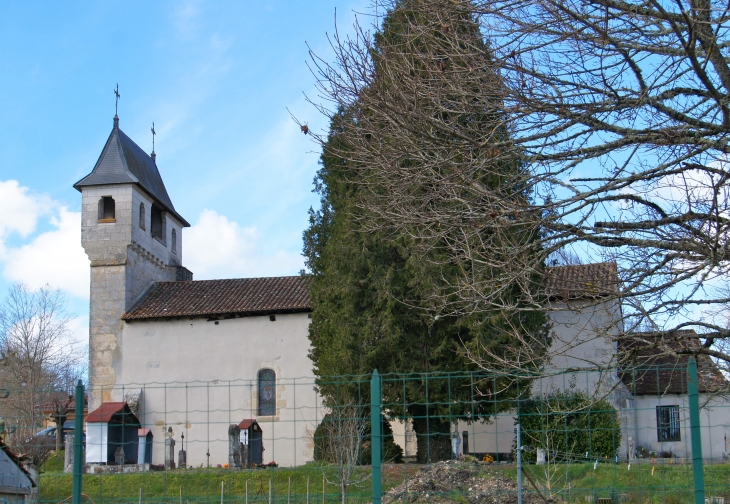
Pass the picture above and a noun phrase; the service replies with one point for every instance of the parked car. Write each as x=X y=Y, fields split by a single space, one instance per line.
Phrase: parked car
x=49 y=436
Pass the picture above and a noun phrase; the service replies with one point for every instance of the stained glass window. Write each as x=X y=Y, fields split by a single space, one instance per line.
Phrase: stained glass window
x=267 y=392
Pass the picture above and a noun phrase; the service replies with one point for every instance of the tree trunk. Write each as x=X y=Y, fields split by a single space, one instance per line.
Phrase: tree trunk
x=433 y=439
x=60 y=420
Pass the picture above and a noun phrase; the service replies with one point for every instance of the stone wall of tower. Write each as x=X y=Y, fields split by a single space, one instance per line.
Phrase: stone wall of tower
x=125 y=261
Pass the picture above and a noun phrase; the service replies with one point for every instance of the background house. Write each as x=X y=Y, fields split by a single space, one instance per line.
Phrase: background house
x=585 y=319
x=657 y=382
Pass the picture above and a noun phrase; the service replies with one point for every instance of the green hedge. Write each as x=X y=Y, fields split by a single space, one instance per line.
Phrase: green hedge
x=569 y=425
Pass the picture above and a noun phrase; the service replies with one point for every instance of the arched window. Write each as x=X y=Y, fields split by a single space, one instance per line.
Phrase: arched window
x=174 y=242
x=141 y=216
x=267 y=392
x=106 y=209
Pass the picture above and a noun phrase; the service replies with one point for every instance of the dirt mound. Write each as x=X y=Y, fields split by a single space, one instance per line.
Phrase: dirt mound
x=463 y=482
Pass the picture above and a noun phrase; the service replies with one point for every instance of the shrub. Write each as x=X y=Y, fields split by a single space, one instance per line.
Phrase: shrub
x=569 y=425
x=391 y=452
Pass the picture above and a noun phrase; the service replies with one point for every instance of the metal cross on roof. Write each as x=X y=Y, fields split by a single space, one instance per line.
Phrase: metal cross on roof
x=116 y=104
x=153 y=135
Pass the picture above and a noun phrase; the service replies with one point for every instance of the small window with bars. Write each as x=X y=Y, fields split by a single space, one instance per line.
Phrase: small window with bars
x=667 y=423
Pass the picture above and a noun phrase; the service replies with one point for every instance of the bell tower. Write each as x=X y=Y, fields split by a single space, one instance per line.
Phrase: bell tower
x=133 y=238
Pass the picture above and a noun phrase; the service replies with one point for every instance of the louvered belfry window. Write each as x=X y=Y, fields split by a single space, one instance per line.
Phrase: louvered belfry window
x=267 y=392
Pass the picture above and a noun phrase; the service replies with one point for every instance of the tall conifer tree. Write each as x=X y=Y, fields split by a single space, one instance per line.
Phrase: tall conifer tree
x=372 y=289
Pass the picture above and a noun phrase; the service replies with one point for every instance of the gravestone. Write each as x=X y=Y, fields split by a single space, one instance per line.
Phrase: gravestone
x=68 y=459
x=119 y=456
x=169 y=453
x=540 y=456
x=245 y=457
x=234 y=446
x=455 y=443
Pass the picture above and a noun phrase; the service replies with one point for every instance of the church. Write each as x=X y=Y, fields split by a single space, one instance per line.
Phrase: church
x=194 y=358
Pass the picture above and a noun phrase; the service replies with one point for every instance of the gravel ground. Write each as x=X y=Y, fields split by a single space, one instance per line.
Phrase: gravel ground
x=460 y=482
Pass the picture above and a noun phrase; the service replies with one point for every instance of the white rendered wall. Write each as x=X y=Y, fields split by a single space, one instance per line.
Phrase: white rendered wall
x=96 y=442
x=405 y=437
x=582 y=338
x=714 y=421
x=198 y=378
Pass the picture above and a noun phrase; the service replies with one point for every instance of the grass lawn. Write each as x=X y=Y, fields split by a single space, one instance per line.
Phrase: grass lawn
x=204 y=485
x=668 y=483
x=571 y=483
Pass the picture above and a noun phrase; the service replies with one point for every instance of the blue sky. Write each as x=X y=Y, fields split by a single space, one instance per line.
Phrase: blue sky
x=216 y=78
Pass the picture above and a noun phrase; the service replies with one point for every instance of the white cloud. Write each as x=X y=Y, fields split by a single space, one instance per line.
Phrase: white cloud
x=186 y=16
x=215 y=247
x=54 y=257
x=19 y=209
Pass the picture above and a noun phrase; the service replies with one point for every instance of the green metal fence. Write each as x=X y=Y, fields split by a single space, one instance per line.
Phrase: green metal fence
x=573 y=435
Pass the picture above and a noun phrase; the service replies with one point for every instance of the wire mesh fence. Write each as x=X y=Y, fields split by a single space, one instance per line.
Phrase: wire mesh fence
x=585 y=436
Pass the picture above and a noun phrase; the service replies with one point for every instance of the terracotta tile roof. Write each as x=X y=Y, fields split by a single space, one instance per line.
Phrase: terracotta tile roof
x=582 y=281
x=108 y=410
x=241 y=296
x=48 y=407
x=248 y=422
x=647 y=369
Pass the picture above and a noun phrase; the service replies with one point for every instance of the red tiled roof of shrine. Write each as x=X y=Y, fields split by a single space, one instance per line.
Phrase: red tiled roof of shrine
x=108 y=410
x=247 y=422
x=210 y=298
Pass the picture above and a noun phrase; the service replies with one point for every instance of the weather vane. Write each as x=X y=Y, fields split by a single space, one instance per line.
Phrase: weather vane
x=116 y=104
x=153 y=135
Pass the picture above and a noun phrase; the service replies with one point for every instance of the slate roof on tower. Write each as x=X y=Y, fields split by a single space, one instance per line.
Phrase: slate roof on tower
x=124 y=162
x=223 y=298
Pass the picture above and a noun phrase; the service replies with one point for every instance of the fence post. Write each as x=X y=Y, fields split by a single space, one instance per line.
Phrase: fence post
x=696 y=434
x=375 y=436
x=78 y=443
x=519 y=464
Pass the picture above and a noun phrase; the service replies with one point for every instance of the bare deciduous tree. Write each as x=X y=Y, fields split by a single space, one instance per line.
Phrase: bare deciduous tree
x=39 y=358
x=60 y=408
x=341 y=442
x=619 y=113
